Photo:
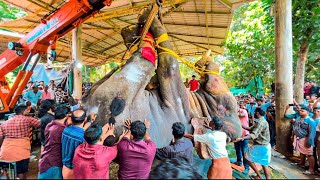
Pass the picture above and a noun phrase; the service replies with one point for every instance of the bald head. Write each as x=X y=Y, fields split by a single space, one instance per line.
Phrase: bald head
x=78 y=116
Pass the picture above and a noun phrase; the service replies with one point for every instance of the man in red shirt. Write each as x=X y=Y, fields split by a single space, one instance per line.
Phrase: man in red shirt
x=137 y=154
x=45 y=93
x=193 y=84
x=242 y=146
x=92 y=159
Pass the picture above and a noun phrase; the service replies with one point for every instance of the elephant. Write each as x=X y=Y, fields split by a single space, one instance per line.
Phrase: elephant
x=145 y=89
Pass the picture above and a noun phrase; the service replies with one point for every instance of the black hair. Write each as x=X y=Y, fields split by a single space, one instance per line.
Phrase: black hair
x=178 y=130
x=260 y=111
x=218 y=123
x=117 y=106
x=176 y=168
x=110 y=141
x=78 y=120
x=193 y=75
x=45 y=106
x=138 y=130
x=20 y=109
x=93 y=133
x=61 y=112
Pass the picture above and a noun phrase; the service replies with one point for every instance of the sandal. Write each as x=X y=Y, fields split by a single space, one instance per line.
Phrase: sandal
x=298 y=164
x=308 y=173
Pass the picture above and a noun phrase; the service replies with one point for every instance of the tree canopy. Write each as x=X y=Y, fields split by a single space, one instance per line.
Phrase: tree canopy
x=8 y=12
x=250 y=42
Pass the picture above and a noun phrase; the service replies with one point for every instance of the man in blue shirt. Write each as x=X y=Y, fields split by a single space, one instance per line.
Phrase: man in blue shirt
x=72 y=137
x=264 y=106
x=251 y=107
x=304 y=131
x=34 y=96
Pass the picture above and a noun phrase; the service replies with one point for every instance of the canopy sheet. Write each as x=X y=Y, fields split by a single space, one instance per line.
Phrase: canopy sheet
x=41 y=73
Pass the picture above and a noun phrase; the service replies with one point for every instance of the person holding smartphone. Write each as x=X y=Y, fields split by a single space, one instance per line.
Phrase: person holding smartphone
x=304 y=131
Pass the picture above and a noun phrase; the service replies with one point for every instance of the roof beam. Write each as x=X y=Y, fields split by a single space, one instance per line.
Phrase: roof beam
x=202 y=12
x=102 y=39
x=206 y=17
x=190 y=35
x=129 y=10
x=110 y=47
x=194 y=25
x=226 y=3
x=196 y=44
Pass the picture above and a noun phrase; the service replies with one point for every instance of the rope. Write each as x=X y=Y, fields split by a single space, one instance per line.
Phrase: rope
x=147 y=25
x=201 y=71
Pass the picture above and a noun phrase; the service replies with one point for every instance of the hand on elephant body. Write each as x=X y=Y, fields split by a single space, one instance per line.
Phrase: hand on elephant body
x=125 y=133
x=107 y=130
x=207 y=124
x=147 y=123
x=127 y=123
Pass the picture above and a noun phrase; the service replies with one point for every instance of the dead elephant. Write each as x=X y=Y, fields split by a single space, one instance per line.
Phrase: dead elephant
x=169 y=101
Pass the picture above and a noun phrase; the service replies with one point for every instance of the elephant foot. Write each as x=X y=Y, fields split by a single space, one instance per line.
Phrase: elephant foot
x=156 y=28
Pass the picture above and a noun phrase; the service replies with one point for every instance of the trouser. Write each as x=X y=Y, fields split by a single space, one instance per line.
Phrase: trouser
x=316 y=165
x=241 y=147
x=272 y=130
x=53 y=172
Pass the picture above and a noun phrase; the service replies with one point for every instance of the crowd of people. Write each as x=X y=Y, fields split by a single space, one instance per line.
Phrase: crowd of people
x=74 y=146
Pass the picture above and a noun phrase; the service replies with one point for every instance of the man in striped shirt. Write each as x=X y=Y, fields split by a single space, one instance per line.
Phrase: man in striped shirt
x=14 y=135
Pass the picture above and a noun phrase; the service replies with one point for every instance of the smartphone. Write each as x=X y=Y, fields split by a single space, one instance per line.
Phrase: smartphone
x=291 y=105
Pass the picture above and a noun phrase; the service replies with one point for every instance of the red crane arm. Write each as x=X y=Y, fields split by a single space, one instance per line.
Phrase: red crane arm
x=66 y=18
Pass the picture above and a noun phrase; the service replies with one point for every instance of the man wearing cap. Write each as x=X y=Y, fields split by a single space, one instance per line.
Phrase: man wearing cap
x=34 y=96
x=304 y=131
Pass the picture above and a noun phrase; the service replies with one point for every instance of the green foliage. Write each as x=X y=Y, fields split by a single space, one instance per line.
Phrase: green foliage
x=249 y=46
x=250 y=42
x=8 y=12
x=11 y=76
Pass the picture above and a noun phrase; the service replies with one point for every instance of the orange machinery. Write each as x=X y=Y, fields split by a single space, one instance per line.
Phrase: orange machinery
x=36 y=43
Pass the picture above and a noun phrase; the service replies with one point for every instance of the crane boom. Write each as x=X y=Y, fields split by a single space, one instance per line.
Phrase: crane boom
x=67 y=17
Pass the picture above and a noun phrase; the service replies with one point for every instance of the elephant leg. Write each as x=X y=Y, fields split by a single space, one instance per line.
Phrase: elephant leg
x=126 y=84
x=172 y=90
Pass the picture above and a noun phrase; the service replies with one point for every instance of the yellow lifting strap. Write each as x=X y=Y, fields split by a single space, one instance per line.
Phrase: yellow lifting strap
x=165 y=37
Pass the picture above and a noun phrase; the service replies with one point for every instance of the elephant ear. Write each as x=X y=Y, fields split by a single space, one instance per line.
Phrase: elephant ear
x=117 y=106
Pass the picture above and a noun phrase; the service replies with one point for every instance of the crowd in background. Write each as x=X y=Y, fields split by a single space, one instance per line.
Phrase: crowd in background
x=74 y=146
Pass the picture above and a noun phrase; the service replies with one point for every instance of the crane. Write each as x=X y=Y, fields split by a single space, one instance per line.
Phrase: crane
x=35 y=43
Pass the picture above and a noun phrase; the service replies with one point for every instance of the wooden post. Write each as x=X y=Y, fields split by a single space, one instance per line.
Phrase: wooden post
x=77 y=58
x=284 y=87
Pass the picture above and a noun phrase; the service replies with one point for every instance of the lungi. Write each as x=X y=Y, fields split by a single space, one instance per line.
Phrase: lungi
x=300 y=146
x=67 y=173
x=260 y=154
x=15 y=149
x=220 y=169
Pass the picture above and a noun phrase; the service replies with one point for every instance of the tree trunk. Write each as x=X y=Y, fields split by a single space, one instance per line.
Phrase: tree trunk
x=300 y=71
x=283 y=82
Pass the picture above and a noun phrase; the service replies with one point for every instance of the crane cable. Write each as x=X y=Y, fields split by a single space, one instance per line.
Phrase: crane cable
x=201 y=71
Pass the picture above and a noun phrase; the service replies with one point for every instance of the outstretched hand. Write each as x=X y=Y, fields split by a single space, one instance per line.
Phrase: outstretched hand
x=108 y=129
x=127 y=123
x=238 y=140
x=125 y=133
x=207 y=124
x=147 y=123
